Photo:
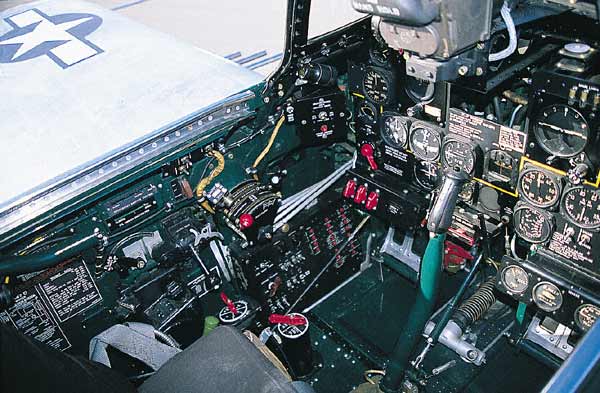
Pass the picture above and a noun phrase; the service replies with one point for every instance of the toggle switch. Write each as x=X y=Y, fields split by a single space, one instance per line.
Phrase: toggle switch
x=349 y=189
x=361 y=194
x=366 y=150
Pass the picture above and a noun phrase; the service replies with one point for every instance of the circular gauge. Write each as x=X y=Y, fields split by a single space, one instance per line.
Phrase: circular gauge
x=367 y=111
x=456 y=153
x=227 y=316
x=425 y=142
x=539 y=188
x=561 y=131
x=427 y=174
x=586 y=315
x=395 y=130
x=380 y=57
x=376 y=86
x=581 y=206
x=515 y=279
x=531 y=224
x=547 y=296
x=418 y=90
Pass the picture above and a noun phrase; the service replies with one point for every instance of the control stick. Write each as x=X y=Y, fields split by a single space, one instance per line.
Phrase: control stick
x=440 y=218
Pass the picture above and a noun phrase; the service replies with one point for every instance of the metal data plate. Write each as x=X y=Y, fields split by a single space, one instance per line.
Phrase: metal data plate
x=84 y=87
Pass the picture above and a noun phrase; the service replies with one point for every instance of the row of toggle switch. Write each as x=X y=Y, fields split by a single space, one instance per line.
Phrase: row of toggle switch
x=361 y=195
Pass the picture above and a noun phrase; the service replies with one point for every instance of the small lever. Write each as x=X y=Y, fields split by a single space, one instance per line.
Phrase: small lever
x=229 y=303
x=366 y=150
x=295 y=320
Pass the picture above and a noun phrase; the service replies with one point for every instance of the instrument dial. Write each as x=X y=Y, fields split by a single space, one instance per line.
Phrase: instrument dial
x=418 y=90
x=377 y=86
x=561 y=131
x=531 y=224
x=586 y=315
x=395 y=130
x=581 y=206
x=227 y=316
x=425 y=142
x=547 y=296
x=539 y=188
x=427 y=174
x=456 y=153
x=515 y=279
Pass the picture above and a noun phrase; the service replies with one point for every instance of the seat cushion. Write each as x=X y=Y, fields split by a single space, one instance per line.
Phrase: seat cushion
x=224 y=361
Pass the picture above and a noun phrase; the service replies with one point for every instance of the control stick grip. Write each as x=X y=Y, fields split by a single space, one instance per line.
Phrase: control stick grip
x=440 y=216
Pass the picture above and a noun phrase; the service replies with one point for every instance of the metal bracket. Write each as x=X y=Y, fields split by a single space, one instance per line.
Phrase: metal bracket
x=402 y=252
x=555 y=343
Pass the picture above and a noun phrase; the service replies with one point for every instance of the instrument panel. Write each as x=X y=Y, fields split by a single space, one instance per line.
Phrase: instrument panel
x=534 y=168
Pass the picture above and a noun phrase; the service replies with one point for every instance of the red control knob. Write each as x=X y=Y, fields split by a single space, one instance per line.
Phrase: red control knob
x=246 y=221
x=350 y=189
x=361 y=194
x=294 y=320
x=366 y=150
x=229 y=303
x=372 y=201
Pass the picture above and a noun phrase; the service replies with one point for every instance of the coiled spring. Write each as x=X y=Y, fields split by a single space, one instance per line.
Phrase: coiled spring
x=478 y=304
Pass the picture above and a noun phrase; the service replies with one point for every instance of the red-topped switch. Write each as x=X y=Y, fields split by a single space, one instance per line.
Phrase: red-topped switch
x=350 y=189
x=229 y=303
x=361 y=194
x=366 y=150
x=246 y=221
x=372 y=201
x=294 y=320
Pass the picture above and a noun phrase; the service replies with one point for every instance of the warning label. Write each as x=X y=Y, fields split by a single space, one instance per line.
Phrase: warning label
x=486 y=133
x=51 y=297
x=71 y=291
x=31 y=316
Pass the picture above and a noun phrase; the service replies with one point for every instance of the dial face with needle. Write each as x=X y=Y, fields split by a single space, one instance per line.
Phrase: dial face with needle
x=581 y=206
x=561 y=131
x=425 y=142
x=539 y=188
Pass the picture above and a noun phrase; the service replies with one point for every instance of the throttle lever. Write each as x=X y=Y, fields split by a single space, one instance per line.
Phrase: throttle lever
x=440 y=216
x=287 y=319
x=229 y=303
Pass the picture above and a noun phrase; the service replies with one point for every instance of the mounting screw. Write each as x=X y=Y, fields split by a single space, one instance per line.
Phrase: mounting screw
x=478 y=71
x=462 y=70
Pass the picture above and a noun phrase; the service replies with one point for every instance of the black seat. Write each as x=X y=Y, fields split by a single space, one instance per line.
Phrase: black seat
x=224 y=361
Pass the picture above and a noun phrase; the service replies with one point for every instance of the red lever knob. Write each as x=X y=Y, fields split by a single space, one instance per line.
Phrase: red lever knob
x=230 y=305
x=366 y=150
x=372 y=200
x=295 y=320
x=246 y=221
x=361 y=194
x=350 y=189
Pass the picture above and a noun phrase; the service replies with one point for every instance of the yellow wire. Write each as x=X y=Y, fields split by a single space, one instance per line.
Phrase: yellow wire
x=265 y=151
x=215 y=172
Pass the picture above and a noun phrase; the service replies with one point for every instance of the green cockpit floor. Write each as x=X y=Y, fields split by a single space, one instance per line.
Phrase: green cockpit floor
x=356 y=328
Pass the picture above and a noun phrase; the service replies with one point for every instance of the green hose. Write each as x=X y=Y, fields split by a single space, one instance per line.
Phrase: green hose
x=431 y=272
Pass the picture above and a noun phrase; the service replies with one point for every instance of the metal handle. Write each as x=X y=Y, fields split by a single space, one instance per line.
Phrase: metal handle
x=440 y=216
